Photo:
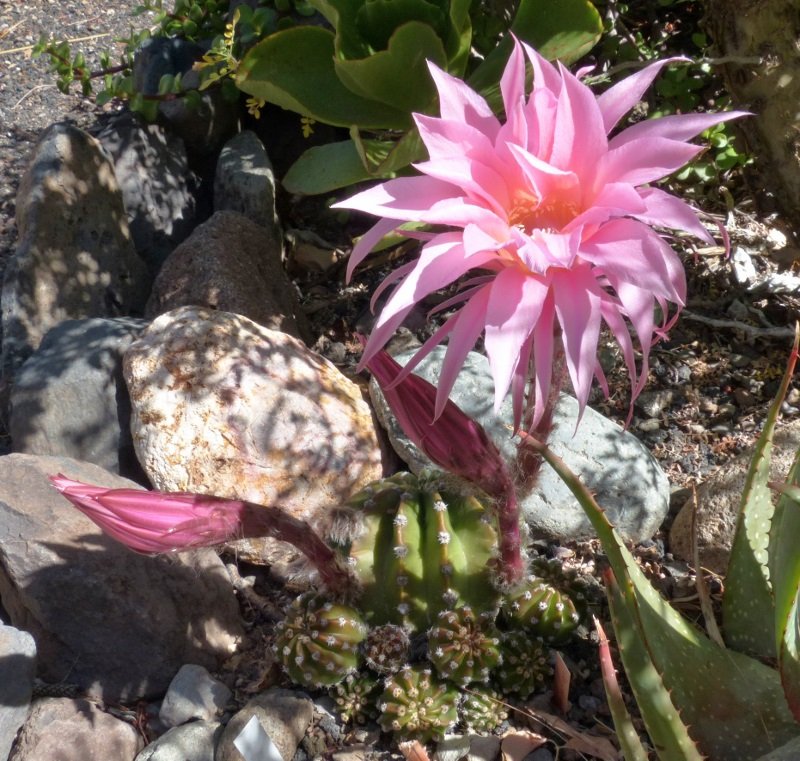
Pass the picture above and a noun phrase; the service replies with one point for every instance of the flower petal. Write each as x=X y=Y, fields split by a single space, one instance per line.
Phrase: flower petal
x=459 y=102
x=674 y=127
x=645 y=160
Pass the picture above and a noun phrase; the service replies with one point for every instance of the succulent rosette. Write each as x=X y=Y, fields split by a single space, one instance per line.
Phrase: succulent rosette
x=550 y=215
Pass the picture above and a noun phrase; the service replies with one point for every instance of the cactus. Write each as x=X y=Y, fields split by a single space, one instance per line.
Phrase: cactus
x=416 y=704
x=421 y=549
x=356 y=698
x=482 y=710
x=541 y=609
x=317 y=643
x=464 y=647
x=525 y=667
x=386 y=648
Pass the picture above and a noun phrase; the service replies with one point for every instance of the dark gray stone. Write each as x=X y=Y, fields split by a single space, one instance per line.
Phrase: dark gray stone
x=624 y=477
x=158 y=188
x=75 y=257
x=17 y=669
x=70 y=399
x=116 y=624
x=62 y=729
x=191 y=742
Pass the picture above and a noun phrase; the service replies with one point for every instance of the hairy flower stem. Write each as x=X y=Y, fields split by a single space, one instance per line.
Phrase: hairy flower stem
x=263 y=521
x=512 y=565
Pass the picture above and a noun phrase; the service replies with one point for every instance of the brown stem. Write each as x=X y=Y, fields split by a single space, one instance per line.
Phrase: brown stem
x=512 y=565
x=263 y=521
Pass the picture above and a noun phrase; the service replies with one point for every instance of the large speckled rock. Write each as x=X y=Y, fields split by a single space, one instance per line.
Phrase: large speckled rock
x=718 y=500
x=620 y=472
x=224 y=406
x=75 y=256
x=117 y=624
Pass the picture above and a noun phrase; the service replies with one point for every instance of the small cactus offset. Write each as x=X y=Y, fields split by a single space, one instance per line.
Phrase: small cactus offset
x=386 y=648
x=464 y=647
x=356 y=698
x=318 y=642
x=541 y=609
x=482 y=710
x=526 y=665
x=421 y=549
x=416 y=704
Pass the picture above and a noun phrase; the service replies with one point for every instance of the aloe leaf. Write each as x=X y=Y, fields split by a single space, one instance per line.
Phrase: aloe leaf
x=324 y=168
x=629 y=739
x=785 y=570
x=667 y=730
x=294 y=69
x=565 y=30
x=733 y=704
x=748 y=606
x=397 y=76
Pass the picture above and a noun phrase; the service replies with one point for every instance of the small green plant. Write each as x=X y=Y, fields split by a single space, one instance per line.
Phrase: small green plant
x=702 y=697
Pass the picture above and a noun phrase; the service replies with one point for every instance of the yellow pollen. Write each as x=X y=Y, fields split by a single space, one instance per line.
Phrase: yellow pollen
x=529 y=212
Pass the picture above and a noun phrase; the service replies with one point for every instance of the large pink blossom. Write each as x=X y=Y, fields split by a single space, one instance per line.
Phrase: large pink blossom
x=551 y=219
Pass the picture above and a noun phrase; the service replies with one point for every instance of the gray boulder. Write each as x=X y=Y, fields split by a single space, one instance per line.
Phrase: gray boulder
x=624 y=477
x=114 y=623
x=158 y=188
x=17 y=669
x=190 y=742
x=75 y=257
x=69 y=398
x=193 y=694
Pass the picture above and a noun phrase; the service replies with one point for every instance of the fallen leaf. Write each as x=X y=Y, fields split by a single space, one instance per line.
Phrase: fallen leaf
x=561 y=682
x=413 y=750
x=516 y=745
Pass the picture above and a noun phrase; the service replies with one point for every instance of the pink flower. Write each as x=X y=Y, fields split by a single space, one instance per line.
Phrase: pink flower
x=552 y=218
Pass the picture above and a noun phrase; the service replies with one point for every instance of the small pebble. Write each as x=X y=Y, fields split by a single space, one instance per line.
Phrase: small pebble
x=589 y=703
x=647 y=426
x=721 y=430
x=708 y=406
x=726 y=410
x=743 y=397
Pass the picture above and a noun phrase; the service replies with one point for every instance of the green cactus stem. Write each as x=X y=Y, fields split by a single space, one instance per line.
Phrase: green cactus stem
x=541 y=609
x=482 y=710
x=386 y=648
x=526 y=664
x=421 y=549
x=356 y=698
x=417 y=705
x=464 y=647
x=317 y=643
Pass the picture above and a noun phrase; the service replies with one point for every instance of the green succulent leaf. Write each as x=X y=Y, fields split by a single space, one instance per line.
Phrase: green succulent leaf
x=733 y=704
x=294 y=69
x=384 y=158
x=377 y=20
x=748 y=606
x=565 y=30
x=324 y=168
x=397 y=76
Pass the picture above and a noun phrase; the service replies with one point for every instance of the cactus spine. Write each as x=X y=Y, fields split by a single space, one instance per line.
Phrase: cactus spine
x=464 y=647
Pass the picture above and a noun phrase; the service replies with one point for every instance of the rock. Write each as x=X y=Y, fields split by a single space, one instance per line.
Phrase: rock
x=69 y=398
x=17 y=669
x=158 y=188
x=190 y=742
x=224 y=406
x=75 y=257
x=718 y=500
x=653 y=403
x=74 y=730
x=452 y=748
x=204 y=126
x=114 y=623
x=244 y=181
x=228 y=264
x=193 y=694
x=483 y=748
x=614 y=465
x=284 y=716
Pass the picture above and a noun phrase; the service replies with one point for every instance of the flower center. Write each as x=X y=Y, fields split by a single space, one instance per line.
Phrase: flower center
x=529 y=212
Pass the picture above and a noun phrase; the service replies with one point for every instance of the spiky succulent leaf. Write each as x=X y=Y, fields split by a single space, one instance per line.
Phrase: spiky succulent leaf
x=526 y=665
x=417 y=705
x=748 y=605
x=733 y=704
x=464 y=646
x=482 y=710
x=317 y=643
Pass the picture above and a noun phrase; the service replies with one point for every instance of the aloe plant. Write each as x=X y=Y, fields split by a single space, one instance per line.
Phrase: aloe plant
x=701 y=699
x=369 y=73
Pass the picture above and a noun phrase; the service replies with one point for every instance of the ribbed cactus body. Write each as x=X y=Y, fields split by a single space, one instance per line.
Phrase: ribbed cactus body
x=317 y=643
x=386 y=648
x=356 y=698
x=482 y=710
x=525 y=666
x=416 y=704
x=421 y=550
x=540 y=609
x=464 y=647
